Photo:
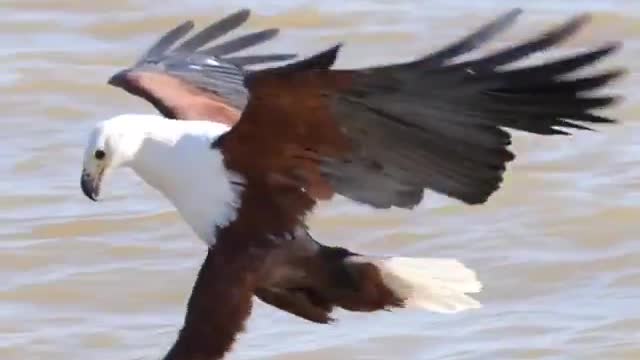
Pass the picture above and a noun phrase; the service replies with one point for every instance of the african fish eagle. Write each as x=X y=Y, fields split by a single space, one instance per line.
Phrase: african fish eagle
x=263 y=147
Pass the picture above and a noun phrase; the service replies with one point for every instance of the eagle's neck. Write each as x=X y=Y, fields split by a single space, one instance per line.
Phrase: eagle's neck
x=176 y=158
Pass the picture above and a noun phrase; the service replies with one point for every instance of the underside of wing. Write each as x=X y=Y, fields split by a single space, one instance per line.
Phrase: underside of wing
x=195 y=80
x=384 y=134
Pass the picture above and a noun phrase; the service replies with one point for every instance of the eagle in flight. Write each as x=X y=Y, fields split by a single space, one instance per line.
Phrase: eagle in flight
x=245 y=155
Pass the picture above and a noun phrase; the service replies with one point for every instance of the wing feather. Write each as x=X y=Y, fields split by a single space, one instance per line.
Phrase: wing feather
x=215 y=31
x=383 y=135
x=185 y=81
x=166 y=41
x=241 y=43
x=219 y=305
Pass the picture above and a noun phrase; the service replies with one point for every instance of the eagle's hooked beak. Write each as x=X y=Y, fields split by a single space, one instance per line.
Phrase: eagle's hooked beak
x=90 y=184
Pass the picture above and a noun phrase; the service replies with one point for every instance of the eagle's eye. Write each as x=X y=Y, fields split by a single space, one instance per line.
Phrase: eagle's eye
x=99 y=154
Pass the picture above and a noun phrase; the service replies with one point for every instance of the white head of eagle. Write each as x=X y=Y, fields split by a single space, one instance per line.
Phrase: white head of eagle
x=175 y=158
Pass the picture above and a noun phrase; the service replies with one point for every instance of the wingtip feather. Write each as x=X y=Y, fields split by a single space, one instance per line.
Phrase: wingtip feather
x=166 y=41
x=240 y=43
x=215 y=30
x=472 y=41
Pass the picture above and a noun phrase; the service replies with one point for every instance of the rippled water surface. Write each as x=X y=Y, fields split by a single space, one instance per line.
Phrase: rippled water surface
x=558 y=247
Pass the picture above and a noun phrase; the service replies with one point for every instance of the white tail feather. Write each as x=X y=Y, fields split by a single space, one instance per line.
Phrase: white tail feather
x=434 y=284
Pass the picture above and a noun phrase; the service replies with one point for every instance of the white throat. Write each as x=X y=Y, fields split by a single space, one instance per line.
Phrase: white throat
x=175 y=157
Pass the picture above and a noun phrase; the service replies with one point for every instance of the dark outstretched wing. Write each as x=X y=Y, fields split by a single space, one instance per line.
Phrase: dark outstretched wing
x=219 y=305
x=191 y=81
x=382 y=135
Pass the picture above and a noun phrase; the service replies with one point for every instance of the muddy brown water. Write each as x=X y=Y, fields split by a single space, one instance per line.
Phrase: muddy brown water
x=558 y=248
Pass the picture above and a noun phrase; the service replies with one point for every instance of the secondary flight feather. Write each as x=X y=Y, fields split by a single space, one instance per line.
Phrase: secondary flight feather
x=302 y=133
